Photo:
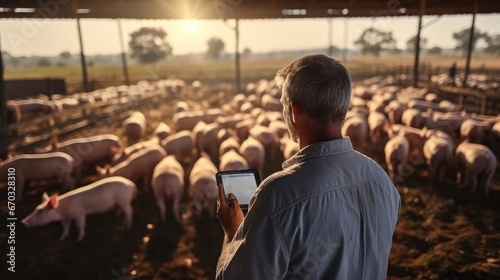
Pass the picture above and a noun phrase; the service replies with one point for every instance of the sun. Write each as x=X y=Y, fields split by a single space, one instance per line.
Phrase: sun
x=192 y=25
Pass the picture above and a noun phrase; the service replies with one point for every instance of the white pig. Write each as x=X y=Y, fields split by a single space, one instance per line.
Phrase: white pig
x=476 y=165
x=396 y=152
x=87 y=150
x=98 y=197
x=203 y=186
x=138 y=166
x=438 y=152
x=168 y=183
x=134 y=127
x=30 y=167
x=232 y=160
x=254 y=153
x=181 y=144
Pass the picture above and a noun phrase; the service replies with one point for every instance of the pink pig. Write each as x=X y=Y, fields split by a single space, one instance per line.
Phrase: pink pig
x=396 y=152
x=168 y=183
x=476 y=165
x=138 y=166
x=97 y=197
x=203 y=186
x=30 y=167
x=87 y=150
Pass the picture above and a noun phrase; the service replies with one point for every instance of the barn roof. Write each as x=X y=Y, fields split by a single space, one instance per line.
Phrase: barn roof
x=242 y=9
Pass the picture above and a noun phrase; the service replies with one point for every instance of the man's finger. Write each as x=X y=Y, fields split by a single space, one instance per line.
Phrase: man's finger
x=222 y=195
x=234 y=201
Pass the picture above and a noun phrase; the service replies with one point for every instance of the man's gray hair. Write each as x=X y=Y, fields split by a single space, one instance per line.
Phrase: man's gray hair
x=319 y=84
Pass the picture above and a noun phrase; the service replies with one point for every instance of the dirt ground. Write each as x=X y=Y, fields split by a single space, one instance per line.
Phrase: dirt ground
x=442 y=233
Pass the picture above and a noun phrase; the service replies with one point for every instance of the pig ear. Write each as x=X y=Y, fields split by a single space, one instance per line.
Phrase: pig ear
x=100 y=170
x=45 y=197
x=53 y=202
x=54 y=142
x=115 y=150
x=11 y=154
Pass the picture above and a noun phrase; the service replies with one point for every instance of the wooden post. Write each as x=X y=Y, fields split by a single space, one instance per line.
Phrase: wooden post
x=471 y=40
x=237 y=56
x=124 y=56
x=82 y=58
x=417 y=45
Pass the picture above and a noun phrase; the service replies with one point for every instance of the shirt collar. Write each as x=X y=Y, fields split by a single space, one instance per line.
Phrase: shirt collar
x=320 y=148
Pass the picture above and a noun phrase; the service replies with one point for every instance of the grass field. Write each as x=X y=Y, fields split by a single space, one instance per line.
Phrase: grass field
x=224 y=70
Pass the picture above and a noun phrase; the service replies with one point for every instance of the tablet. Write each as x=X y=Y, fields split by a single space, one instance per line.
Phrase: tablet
x=242 y=183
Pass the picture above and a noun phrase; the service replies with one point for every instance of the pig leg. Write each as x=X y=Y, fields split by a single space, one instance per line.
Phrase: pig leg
x=212 y=207
x=161 y=207
x=66 y=225
x=80 y=224
x=127 y=212
x=147 y=181
x=175 y=207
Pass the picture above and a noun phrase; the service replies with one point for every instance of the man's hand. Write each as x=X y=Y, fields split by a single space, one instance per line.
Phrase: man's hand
x=230 y=216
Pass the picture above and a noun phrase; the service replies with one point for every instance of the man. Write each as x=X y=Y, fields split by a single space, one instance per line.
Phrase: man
x=331 y=212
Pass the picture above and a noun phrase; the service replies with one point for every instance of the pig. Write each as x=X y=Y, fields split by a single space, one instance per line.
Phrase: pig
x=413 y=117
x=203 y=186
x=213 y=114
x=168 y=183
x=270 y=103
x=187 y=120
x=243 y=129
x=394 y=111
x=31 y=167
x=254 y=153
x=98 y=197
x=396 y=153
x=121 y=154
x=273 y=154
x=356 y=128
x=181 y=106
x=181 y=144
x=134 y=127
x=475 y=131
x=209 y=142
x=279 y=128
x=377 y=123
x=438 y=152
x=476 y=165
x=162 y=131
x=138 y=166
x=238 y=100
x=232 y=160
x=229 y=144
x=197 y=134
x=87 y=150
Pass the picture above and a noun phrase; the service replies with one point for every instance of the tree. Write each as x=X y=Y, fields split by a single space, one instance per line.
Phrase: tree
x=410 y=44
x=65 y=55
x=493 y=44
x=373 y=41
x=246 y=53
x=44 y=62
x=462 y=37
x=435 y=50
x=215 y=48
x=148 y=44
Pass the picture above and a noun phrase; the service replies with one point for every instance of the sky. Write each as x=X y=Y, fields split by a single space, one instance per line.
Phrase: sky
x=100 y=36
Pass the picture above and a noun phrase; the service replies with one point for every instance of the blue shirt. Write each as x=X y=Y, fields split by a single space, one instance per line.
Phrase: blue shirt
x=329 y=214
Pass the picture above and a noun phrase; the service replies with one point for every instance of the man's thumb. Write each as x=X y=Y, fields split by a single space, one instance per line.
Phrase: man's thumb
x=234 y=201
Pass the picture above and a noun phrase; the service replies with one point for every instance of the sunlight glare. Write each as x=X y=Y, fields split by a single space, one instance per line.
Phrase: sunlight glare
x=192 y=25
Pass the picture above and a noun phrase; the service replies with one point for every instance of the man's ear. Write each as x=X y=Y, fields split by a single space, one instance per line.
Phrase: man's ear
x=296 y=112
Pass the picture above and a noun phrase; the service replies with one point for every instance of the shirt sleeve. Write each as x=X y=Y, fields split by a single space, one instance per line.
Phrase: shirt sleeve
x=256 y=251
